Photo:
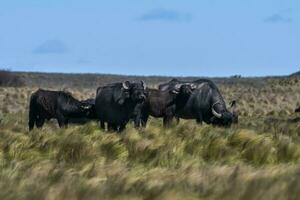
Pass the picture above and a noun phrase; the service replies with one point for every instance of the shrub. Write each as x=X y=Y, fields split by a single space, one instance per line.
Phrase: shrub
x=10 y=79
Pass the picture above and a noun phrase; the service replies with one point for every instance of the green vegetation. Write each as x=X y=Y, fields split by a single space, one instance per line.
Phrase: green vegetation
x=257 y=159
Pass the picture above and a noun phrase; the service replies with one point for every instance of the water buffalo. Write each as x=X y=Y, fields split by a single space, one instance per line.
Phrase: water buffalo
x=162 y=104
x=45 y=105
x=297 y=109
x=206 y=104
x=116 y=103
x=175 y=82
x=91 y=102
x=91 y=115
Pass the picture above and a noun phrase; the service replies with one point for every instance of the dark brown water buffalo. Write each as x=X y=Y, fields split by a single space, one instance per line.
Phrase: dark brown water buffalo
x=45 y=105
x=162 y=104
x=116 y=104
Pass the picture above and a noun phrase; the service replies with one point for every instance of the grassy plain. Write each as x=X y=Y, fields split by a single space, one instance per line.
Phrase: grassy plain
x=257 y=159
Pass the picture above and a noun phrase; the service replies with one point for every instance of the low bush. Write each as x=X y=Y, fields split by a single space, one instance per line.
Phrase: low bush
x=10 y=79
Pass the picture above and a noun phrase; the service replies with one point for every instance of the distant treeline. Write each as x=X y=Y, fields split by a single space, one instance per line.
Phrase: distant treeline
x=63 y=80
x=296 y=74
x=10 y=79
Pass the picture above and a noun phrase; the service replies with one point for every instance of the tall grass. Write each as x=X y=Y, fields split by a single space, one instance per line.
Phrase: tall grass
x=257 y=159
x=185 y=161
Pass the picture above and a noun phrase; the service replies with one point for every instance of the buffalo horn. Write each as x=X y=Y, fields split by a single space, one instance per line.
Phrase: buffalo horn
x=86 y=107
x=125 y=86
x=144 y=85
x=193 y=86
x=218 y=115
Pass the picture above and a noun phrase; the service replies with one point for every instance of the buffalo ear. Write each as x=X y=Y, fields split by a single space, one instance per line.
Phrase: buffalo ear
x=234 y=111
x=233 y=106
x=233 y=103
x=126 y=85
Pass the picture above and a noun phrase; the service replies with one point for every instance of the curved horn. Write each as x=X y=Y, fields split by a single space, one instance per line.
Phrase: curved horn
x=144 y=85
x=125 y=86
x=177 y=86
x=215 y=113
x=86 y=107
x=175 y=91
x=193 y=86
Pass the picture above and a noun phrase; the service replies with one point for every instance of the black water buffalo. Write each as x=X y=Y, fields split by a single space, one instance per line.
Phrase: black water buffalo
x=91 y=115
x=207 y=104
x=45 y=105
x=117 y=103
x=92 y=103
x=297 y=109
x=162 y=104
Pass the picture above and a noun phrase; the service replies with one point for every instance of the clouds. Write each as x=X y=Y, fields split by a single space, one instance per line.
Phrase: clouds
x=165 y=15
x=51 y=47
x=280 y=17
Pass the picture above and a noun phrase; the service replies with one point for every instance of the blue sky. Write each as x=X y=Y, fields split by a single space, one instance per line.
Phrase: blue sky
x=151 y=37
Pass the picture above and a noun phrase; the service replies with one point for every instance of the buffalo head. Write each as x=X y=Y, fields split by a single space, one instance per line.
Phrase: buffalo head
x=134 y=91
x=224 y=118
x=138 y=91
x=85 y=108
x=88 y=107
x=183 y=89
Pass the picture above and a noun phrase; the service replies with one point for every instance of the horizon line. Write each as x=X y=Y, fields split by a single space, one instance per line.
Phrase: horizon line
x=145 y=75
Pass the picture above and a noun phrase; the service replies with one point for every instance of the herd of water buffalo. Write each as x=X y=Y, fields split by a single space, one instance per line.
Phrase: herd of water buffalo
x=117 y=104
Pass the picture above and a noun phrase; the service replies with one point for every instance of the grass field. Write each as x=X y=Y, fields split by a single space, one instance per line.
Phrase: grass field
x=257 y=159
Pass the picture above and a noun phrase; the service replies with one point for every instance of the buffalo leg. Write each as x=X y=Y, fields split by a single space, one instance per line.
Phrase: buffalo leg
x=199 y=118
x=177 y=120
x=40 y=122
x=61 y=120
x=138 y=112
x=122 y=127
x=168 y=117
x=61 y=123
x=109 y=127
x=32 y=119
x=167 y=121
x=115 y=127
x=66 y=122
x=31 y=124
x=102 y=125
x=144 y=120
x=112 y=127
x=137 y=120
